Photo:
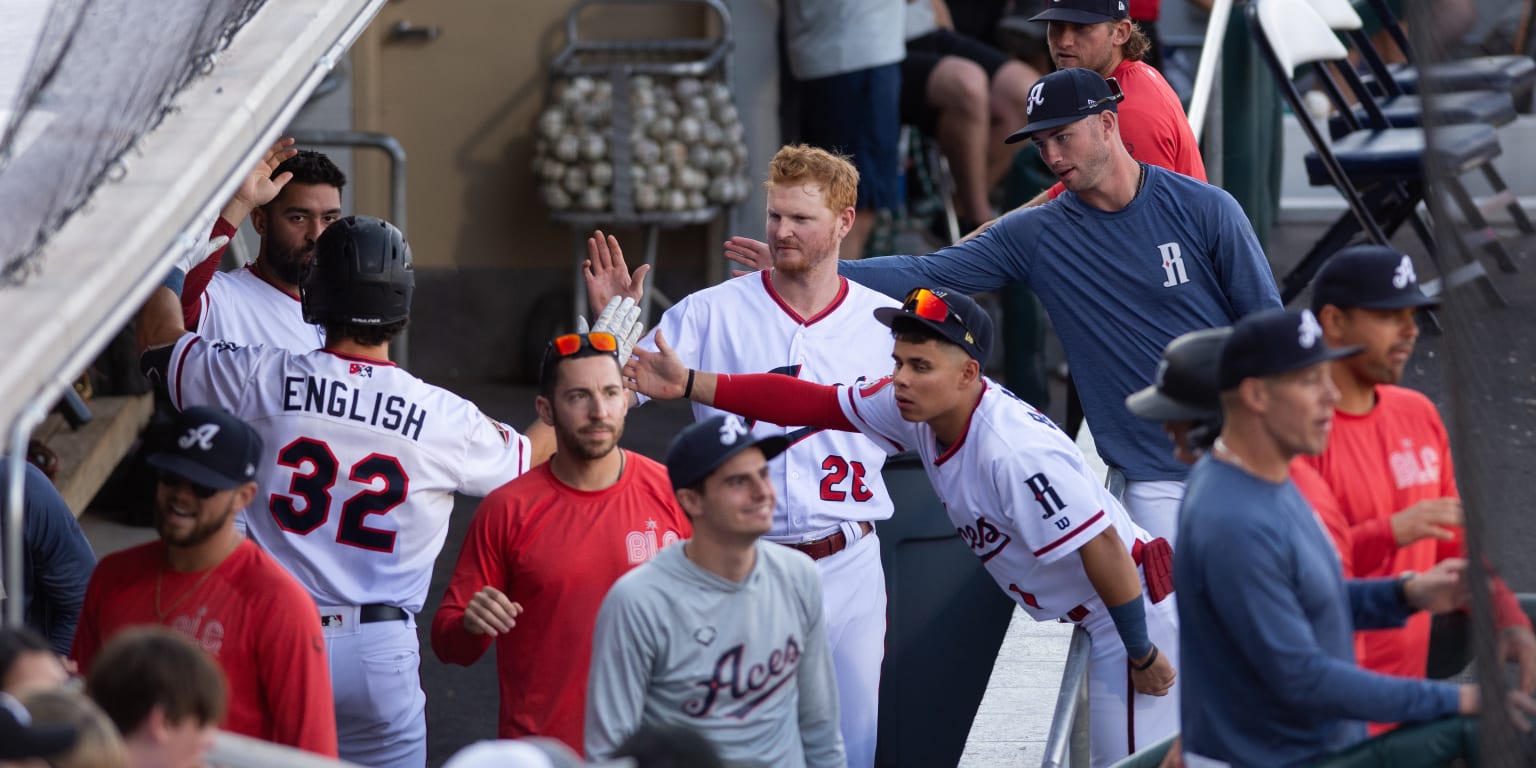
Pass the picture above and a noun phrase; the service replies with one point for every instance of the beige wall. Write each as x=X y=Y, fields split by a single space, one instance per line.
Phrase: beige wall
x=463 y=106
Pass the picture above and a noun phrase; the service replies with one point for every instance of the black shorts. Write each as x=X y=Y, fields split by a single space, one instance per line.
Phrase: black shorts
x=923 y=54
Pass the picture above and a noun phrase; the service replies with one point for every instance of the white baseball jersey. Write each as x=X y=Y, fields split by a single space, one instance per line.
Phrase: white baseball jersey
x=1015 y=486
x=360 y=461
x=743 y=326
x=241 y=306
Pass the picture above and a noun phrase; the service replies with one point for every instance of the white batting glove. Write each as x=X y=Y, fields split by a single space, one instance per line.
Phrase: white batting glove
x=194 y=256
x=622 y=319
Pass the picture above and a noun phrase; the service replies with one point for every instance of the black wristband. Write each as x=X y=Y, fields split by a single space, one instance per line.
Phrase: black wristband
x=688 y=388
x=1146 y=665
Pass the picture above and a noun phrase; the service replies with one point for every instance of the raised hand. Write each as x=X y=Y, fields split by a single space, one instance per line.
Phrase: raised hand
x=660 y=375
x=489 y=612
x=607 y=275
x=259 y=188
x=752 y=254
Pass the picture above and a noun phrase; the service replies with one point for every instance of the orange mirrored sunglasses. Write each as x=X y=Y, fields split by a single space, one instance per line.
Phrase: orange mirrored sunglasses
x=931 y=306
x=571 y=343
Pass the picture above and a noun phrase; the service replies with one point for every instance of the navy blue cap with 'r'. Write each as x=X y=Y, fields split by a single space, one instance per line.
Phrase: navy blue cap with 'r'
x=1273 y=342
x=1083 y=11
x=1369 y=276
x=1064 y=97
x=703 y=446
x=211 y=447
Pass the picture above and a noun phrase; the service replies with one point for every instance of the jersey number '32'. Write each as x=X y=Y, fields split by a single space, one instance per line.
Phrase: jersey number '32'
x=314 y=487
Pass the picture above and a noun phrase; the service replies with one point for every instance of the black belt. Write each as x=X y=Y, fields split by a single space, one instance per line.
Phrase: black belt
x=372 y=614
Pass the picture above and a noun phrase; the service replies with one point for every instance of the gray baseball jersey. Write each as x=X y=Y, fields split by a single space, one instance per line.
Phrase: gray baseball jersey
x=746 y=665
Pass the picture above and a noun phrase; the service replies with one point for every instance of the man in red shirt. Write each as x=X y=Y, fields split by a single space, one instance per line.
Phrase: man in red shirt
x=1394 y=506
x=543 y=550
x=208 y=582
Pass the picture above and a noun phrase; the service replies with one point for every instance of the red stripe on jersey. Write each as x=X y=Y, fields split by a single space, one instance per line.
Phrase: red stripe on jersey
x=1070 y=534
x=180 y=366
x=837 y=301
x=357 y=358
x=943 y=457
x=854 y=403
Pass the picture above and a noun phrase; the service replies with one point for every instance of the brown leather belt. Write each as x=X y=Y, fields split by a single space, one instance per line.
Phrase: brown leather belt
x=830 y=545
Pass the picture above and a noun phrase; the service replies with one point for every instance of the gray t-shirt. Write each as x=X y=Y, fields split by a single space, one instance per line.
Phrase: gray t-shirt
x=835 y=37
x=745 y=665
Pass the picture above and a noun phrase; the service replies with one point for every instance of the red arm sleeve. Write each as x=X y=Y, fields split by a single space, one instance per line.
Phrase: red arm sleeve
x=197 y=280
x=297 y=675
x=779 y=399
x=480 y=564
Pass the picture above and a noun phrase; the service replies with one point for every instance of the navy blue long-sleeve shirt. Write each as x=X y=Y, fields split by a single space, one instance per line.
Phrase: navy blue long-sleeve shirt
x=1118 y=285
x=57 y=560
x=1266 y=624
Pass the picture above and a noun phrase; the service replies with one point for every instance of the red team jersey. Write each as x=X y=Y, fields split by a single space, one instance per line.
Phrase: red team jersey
x=249 y=614
x=1376 y=465
x=555 y=550
x=1153 y=125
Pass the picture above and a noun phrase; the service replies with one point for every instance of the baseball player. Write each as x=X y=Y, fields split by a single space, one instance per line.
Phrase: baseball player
x=205 y=580
x=291 y=196
x=808 y=323
x=357 y=476
x=1132 y=256
x=722 y=634
x=1015 y=486
x=543 y=549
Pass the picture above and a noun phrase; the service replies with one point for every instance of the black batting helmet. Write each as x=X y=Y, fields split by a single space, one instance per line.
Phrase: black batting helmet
x=361 y=274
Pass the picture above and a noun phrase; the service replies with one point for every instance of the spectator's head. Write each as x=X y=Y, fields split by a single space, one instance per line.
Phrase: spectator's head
x=1275 y=383
x=582 y=395
x=942 y=341
x=669 y=746
x=98 y=744
x=28 y=663
x=207 y=474
x=24 y=744
x=719 y=471
x=1073 y=120
x=361 y=282
x=1185 y=395
x=812 y=194
x=1367 y=295
x=1095 y=34
x=164 y=694
x=291 y=223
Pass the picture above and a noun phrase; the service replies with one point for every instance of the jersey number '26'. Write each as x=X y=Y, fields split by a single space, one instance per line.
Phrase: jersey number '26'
x=314 y=487
x=837 y=470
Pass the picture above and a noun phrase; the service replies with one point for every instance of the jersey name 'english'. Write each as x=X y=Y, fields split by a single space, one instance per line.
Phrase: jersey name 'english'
x=331 y=397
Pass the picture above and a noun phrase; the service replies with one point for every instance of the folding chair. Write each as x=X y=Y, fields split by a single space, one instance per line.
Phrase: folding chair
x=1380 y=171
x=1512 y=74
x=1405 y=110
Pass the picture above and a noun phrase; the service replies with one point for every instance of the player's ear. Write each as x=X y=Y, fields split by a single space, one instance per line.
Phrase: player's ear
x=1121 y=33
x=244 y=494
x=1254 y=394
x=258 y=220
x=546 y=410
x=1334 y=322
x=690 y=500
x=845 y=222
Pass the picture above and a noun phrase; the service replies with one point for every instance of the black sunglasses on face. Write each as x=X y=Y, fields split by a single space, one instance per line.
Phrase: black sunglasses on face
x=170 y=479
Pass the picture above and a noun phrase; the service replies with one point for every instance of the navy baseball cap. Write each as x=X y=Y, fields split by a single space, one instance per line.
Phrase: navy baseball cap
x=1273 y=342
x=1369 y=276
x=952 y=314
x=211 y=447
x=1064 y=97
x=20 y=740
x=1186 y=388
x=700 y=449
x=1083 y=11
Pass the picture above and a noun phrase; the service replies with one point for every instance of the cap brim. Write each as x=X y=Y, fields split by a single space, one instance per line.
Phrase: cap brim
x=191 y=470
x=1404 y=301
x=1044 y=125
x=1073 y=15
x=770 y=446
x=1152 y=405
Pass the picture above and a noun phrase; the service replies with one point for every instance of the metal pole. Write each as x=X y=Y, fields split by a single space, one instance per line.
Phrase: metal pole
x=1064 y=741
x=400 y=349
x=1205 y=73
x=27 y=419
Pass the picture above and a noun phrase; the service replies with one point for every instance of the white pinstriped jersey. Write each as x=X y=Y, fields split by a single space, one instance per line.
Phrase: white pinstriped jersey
x=1015 y=486
x=242 y=307
x=742 y=326
x=360 y=461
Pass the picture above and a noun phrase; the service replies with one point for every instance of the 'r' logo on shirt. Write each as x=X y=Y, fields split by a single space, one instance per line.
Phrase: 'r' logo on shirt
x=1173 y=265
x=1040 y=485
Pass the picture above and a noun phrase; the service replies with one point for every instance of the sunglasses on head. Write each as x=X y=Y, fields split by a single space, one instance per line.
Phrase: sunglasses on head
x=931 y=306
x=170 y=479
x=1115 y=96
x=571 y=343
